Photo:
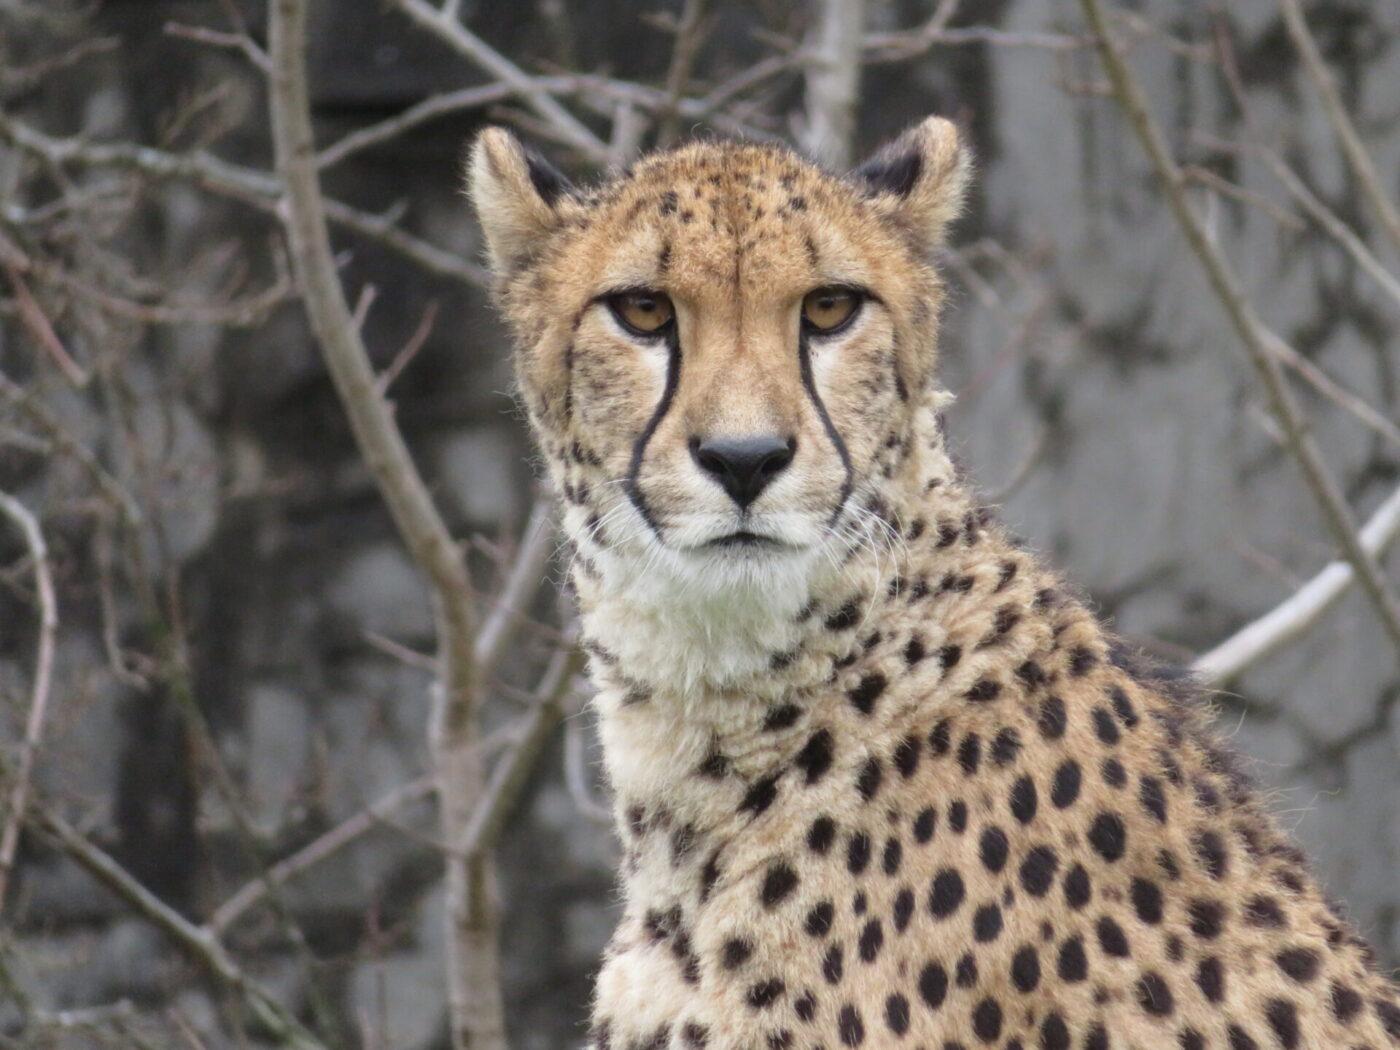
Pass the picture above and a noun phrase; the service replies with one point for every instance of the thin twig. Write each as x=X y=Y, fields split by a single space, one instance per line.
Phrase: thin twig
x=317 y=850
x=1287 y=621
x=28 y=526
x=236 y=41
x=34 y=318
x=689 y=36
x=1356 y=153
x=1259 y=342
x=466 y=43
x=199 y=944
x=409 y=350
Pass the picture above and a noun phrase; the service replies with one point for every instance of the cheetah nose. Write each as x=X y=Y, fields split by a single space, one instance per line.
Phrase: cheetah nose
x=743 y=466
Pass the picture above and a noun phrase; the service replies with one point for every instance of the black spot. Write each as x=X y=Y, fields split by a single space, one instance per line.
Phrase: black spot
x=1346 y=1003
x=760 y=795
x=993 y=848
x=872 y=938
x=1108 y=836
x=783 y=717
x=957 y=817
x=1210 y=979
x=1262 y=910
x=945 y=894
x=933 y=985
x=846 y=617
x=819 y=919
x=1301 y=964
x=983 y=690
x=1239 y=1039
x=715 y=766
x=695 y=1035
x=1112 y=939
x=1123 y=706
x=805 y=1006
x=903 y=909
x=924 y=824
x=906 y=756
x=1207 y=918
x=986 y=923
x=1038 y=870
x=1025 y=969
x=1154 y=994
x=1147 y=901
x=1005 y=747
x=1023 y=800
x=940 y=737
x=833 y=965
x=868 y=781
x=1081 y=661
x=914 y=651
x=897 y=1014
x=970 y=753
x=986 y=1020
x=778 y=884
x=864 y=695
x=1054 y=1033
x=1031 y=673
x=1052 y=719
x=1114 y=775
x=966 y=975
x=851 y=1027
x=815 y=757
x=1153 y=798
x=1065 y=788
x=735 y=952
x=1077 y=887
x=890 y=859
x=1283 y=1019
x=1105 y=727
x=1073 y=964
x=1389 y=1015
x=1097 y=1039
x=1210 y=851
x=765 y=993
x=949 y=655
x=858 y=853
x=821 y=834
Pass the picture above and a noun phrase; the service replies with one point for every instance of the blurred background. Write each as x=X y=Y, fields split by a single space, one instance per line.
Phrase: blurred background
x=241 y=658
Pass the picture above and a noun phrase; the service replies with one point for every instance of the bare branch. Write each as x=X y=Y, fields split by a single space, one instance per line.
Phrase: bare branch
x=334 y=840
x=1259 y=342
x=199 y=944
x=28 y=526
x=689 y=36
x=1281 y=625
x=34 y=318
x=237 y=41
x=1356 y=153
x=445 y=26
x=257 y=189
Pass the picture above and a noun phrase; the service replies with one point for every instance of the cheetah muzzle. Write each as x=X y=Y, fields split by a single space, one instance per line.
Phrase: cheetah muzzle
x=880 y=780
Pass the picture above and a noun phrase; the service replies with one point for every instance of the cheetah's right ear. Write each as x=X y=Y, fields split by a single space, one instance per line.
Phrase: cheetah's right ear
x=515 y=192
x=921 y=178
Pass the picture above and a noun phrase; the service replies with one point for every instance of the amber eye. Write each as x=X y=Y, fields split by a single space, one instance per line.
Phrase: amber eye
x=642 y=313
x=827 y=309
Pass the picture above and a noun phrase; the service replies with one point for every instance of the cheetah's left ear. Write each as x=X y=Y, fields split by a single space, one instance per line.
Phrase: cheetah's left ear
x=515 y=193
x=921 y=177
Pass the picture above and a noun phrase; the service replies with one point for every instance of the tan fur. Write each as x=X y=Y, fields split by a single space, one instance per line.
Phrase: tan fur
x=888 y=785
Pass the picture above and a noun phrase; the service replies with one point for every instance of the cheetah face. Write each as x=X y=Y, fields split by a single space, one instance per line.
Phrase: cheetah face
x=721 y=350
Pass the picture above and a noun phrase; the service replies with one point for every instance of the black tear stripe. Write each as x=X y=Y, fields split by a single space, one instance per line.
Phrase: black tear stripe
x=673 y=379
x=804 y=356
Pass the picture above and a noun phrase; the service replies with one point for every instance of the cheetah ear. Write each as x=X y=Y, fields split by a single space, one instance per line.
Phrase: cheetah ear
x=515 y=193
x=921 y=177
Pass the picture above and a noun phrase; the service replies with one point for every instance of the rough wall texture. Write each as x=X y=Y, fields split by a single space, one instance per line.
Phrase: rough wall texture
x=1103 y=402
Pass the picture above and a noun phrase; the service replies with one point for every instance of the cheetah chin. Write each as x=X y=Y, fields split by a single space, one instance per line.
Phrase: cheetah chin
x=880 y=779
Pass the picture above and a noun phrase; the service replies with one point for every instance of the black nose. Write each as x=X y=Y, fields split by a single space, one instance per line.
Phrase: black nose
x=743 y=466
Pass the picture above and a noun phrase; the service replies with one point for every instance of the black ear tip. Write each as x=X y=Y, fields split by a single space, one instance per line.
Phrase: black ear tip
x=892 y=172
x=549 y=182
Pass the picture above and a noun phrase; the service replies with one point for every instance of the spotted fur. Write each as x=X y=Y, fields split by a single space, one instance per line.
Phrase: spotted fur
x=880 y=780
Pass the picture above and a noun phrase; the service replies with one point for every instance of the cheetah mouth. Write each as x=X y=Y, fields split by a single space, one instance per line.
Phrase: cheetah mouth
x=742 y=539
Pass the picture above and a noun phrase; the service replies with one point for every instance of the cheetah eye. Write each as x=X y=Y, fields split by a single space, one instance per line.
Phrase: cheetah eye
x=642 y=312
x=827 y=310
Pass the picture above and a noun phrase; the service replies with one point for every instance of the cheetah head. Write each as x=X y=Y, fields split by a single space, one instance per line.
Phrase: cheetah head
x=722 y=349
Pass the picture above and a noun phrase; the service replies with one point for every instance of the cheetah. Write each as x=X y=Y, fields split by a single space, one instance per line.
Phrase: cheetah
x=880 y=778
